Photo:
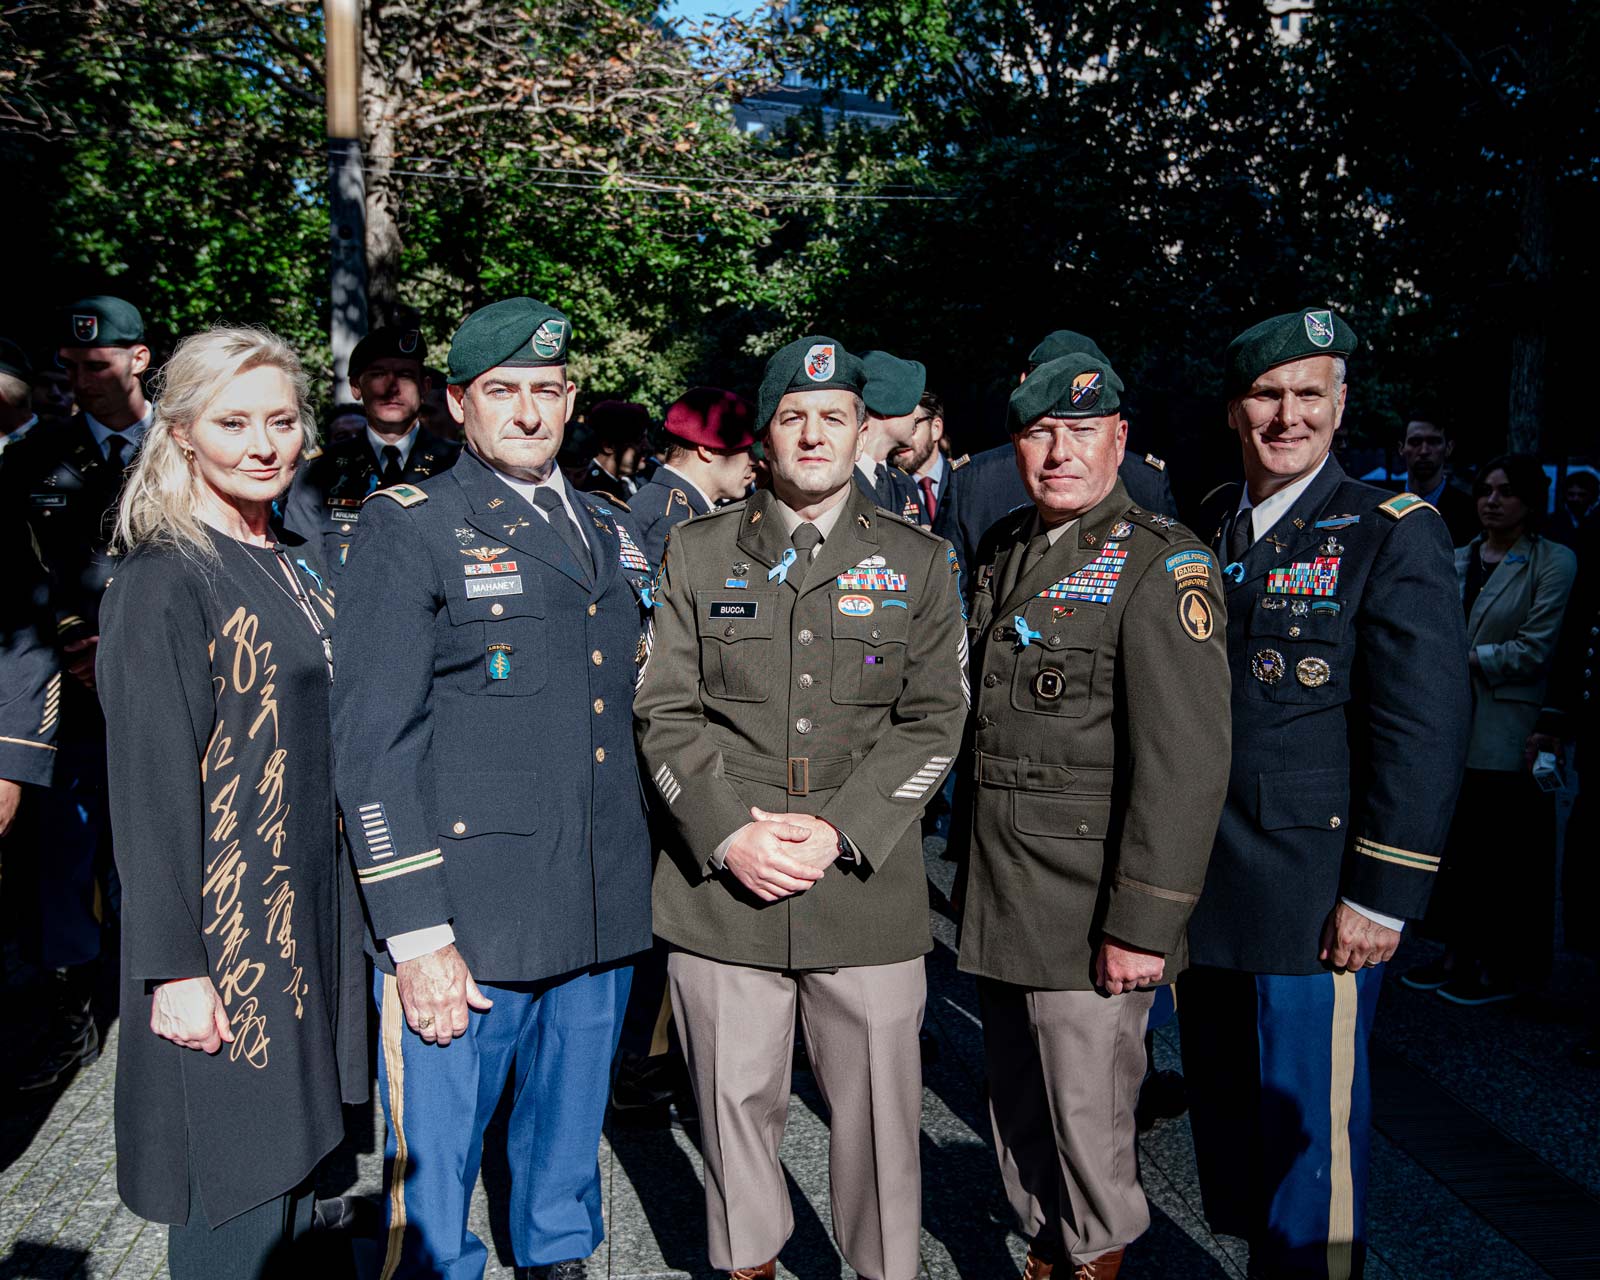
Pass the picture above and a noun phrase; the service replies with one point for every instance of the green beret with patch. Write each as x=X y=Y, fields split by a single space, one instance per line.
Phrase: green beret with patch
x=813 y=363
x=1064 y=342
x=1313 y=331
x=1072 y=386
x=101 y=321
x=387 y=343
x=893 y=385
x=523 y=333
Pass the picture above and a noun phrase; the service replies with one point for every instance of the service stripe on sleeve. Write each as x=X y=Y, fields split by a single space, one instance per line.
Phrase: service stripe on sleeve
x=404 y=867
x=1400 y=857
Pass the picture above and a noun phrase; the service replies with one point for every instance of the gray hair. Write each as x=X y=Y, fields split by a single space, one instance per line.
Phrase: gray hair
x=161 y=496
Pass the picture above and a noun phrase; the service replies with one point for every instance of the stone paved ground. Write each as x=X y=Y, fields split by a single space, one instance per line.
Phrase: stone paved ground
x=60 y=1216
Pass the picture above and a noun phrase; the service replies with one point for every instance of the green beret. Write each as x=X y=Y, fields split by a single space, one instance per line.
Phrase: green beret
x=14 y=360
x=1294 y=336
x=1064 y=342
x=1073 y=386
x=812 y=363
x=101 y=321
x=521 y=332
x=893 y=386
x=387 y=343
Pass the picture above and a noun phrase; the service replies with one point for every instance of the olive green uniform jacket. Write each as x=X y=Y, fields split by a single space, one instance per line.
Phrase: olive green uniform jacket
x=844 y=699
x=1097 y=758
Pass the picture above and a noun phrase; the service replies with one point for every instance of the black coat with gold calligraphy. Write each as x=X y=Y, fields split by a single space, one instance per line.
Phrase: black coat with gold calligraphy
x=215 y=690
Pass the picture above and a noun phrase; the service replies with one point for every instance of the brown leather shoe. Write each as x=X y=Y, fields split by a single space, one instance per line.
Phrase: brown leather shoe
x=766 y=1271
x=1105 y=1267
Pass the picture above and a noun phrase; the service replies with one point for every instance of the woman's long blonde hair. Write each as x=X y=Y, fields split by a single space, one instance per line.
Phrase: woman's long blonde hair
x=160 y=497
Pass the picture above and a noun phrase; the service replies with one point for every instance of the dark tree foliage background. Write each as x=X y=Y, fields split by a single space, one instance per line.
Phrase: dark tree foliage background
x=1157 y=174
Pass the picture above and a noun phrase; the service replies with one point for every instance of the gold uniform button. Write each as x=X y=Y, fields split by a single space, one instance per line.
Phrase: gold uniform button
x=806 y=681
x=1333 y=822
x=593 y=609
x=600 y=754
x=344 y=528
x=599 y=705
x=497 y=608
x=460 y=828
x=597 y=657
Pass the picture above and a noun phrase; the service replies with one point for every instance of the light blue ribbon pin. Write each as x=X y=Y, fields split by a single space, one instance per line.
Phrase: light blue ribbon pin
x=1234 y=572
x=317 y=576
x=780 y=571
x=1025 y=633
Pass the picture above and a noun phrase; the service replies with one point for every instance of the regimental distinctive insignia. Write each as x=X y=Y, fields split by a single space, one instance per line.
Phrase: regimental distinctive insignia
x=1312 y=672
x=1194 y=612
x=85 y=328
x=629 y=554
x=486 y=554
x=1086 y=389
x=856 y=606
x=549 y=339
x=1121 y=529
x=820 y=362
x=500 y=662
x=1095 y=582
x=1267 y=666
x=1049 y=684
x=755 y=517
x=1319 y=328
x=1319 y=577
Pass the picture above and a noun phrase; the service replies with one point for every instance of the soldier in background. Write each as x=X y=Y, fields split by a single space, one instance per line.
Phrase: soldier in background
x=65 y=478
x=617 y=431
x=386 y=376
x=706 y=448
x=892 y=390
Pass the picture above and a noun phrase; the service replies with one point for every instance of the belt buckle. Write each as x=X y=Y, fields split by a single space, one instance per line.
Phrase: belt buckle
x=799 y=768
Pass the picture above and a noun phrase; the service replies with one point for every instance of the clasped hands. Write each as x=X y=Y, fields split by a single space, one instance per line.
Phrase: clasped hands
x=777 y=855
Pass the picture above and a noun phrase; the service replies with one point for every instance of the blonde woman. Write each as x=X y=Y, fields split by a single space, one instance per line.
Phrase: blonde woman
x=243 y=1014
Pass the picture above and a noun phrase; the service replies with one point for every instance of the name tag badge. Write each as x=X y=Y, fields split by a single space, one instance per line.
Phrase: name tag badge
x=477 y=588
x=343 y=515
x=48 y=499
x=732 y=610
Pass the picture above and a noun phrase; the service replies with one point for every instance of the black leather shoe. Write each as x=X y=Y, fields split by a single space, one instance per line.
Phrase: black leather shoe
x=571 y=1269
x=76 y=1044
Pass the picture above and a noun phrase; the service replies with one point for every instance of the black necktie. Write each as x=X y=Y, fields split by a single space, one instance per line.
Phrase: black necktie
x=549 y=501
x=391 y=465
x=117 y=451
x=1241 y=536
x=805 y=539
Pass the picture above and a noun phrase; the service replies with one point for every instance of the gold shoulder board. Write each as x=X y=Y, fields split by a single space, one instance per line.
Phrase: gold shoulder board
x=1150 y=460
x=961 y=462
x=407 y=495
x=1403 y=504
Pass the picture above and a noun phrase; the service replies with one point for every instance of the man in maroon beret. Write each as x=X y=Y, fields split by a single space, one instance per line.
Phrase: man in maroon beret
x=708 y=437
x=617 y=431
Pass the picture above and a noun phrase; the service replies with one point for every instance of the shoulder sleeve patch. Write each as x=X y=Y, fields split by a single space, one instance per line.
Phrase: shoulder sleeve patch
x=407 y=495
x=1150 y=460
x=961 y=462
x=1403 y=504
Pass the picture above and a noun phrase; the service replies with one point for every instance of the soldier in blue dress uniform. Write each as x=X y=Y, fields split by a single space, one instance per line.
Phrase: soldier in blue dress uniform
x=707 y=460
x=1350 y=718
x=891 y=392
x=491 y=797
x=387 y=376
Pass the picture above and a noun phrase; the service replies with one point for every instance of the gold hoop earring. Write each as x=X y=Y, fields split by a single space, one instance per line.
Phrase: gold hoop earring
x=188 y=455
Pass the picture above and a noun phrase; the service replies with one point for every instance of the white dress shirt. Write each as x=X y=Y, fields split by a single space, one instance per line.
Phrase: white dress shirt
x=133 y=433
x=405 y=444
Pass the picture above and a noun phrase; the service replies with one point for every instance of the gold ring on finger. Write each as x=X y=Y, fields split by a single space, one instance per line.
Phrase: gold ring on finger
x=424 y=1022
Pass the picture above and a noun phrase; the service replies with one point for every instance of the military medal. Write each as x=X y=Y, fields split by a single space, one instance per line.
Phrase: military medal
x=1267 y=666
x=499 y=662
x=1312 y=672
x=1049 y=685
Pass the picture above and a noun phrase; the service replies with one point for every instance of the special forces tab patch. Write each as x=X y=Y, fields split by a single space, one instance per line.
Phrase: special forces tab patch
x=1189 y=568
x=499 y=659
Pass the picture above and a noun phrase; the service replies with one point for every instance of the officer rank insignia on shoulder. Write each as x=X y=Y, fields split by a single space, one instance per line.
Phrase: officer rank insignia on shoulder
x=1150 y=460
x=1403 y=504
x=407 y=495
x=1121 y=529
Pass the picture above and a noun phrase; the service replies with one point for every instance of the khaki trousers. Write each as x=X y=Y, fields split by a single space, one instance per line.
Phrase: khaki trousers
x=1064 y=1071
x=860 y=1026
